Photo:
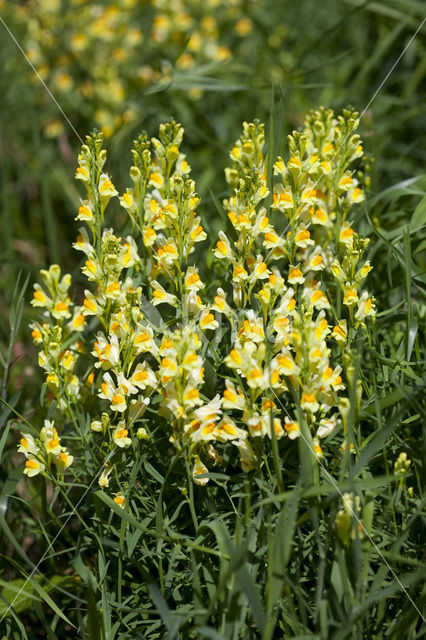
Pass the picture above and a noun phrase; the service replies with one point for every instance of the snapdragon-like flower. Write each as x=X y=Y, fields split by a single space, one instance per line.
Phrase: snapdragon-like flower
x=290 y=357
x=292 y=297
x=348 y=523
x=41 y=453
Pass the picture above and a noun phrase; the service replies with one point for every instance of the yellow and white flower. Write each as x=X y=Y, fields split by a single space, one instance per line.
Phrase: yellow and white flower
x=85 y=212
x=247 y=457
x=160 y=295
x=143 y=377
x=114 y=395
x=120 y=435
x=365 y=307
x=104 y=477
x=223 y=248
x=193 y=281
x=33 y=467
x=327 y=426
x=108 y=353
x=302 y=237
x=106 y=189
x=198 y=470
x=226 y=430
x=120 y=499
x=207 y=320
x=309 y=402
x=291 y=427
x=346 y=234
x=295 y=275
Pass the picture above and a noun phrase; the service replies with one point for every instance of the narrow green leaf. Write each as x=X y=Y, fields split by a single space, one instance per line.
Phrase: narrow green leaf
x=280 y=547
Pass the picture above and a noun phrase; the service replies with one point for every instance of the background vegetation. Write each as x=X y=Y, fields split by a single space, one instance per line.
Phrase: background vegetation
x=270 y=566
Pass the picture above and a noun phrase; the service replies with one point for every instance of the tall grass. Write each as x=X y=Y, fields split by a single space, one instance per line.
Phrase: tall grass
x=265 y=561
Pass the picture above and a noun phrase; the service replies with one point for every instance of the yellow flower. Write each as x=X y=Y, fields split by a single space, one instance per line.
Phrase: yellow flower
x=120 y=499
x=79 y=321
x=223 y=248
x=294 y=164
x=350 y=298
x=232 y=397
x=119 y=436
x=106 y=188
x=197 y=232
x=85 y=212
x=247 y=457
x=82 y=172
x=149 y=236
x=198 y=470
x=40 y=299
x=239 y=274
x=27 y=445
x=295 y=276
x=345 y=183
x=63 y=460
x=160 y=295
x=365 y=307
x=227 y=430
x=346 y=235
x=315 y=262
x=356 y=195
x=37 y=336
x=90 y=304
x=207 y=320
x=309 y=402
x=285 y=364
x=243 y=27
x=126 y=200
x=320 y=217
x=317 y=449
x=291 y=428
x=104 y=477
x=113 y=290
x=303 y=237
x=192 y=280
x=340 y=331
x=143 y=377
x=33 y=467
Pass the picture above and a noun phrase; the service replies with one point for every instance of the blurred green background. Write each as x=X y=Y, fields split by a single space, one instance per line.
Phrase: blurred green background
x=211 y=65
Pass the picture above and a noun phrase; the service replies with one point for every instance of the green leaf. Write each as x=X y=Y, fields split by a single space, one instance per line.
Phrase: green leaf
x=418 y=219
x=172 y=623
x=280 y=547
x=246 y=583
x=94 y=623
x=19 y=594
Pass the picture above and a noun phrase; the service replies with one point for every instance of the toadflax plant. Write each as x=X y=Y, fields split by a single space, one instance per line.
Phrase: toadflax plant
x=292 y=272
x=212 y=388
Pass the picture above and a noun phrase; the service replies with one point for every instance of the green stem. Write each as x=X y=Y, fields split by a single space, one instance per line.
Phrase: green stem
x=191 y=494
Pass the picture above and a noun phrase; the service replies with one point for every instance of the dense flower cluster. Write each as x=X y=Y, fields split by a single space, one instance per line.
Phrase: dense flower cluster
x=41 y=452
x=279 y=279
x=286 y=314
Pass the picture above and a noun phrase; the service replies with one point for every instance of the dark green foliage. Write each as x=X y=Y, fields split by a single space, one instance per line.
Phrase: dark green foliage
x=266 y=561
